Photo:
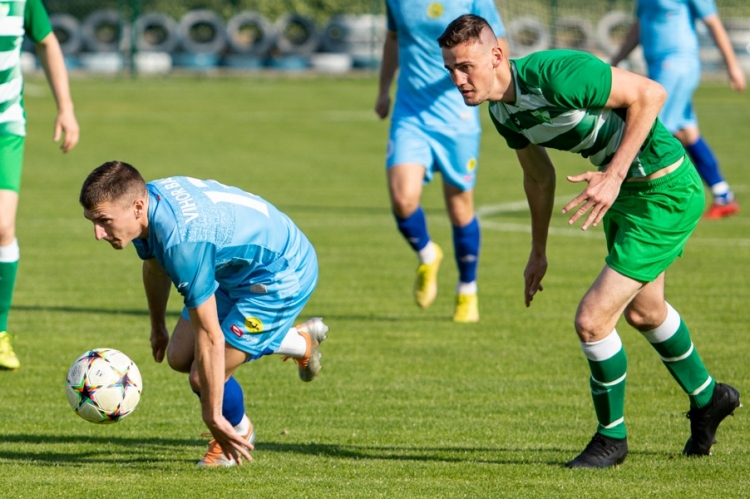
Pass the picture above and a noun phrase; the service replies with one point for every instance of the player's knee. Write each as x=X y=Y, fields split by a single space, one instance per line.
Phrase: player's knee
x=642 y=319
x=177 y=363
x=404 y=205
x=195 y=381
x=588 y=328
x=7 y=230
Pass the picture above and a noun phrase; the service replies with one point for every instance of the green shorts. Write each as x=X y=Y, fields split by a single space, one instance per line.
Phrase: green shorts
x=650 y=222
x=11 y=162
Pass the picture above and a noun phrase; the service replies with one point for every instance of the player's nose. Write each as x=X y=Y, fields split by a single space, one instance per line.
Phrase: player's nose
x=99 y=232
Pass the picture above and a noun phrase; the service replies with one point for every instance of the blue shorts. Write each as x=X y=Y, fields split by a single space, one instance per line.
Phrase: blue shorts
x=680 y=78
x=257 y=323
x=452 y=154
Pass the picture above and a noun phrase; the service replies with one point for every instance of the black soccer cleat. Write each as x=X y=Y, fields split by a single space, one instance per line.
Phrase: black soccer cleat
x=601 y=452
x=705 y=421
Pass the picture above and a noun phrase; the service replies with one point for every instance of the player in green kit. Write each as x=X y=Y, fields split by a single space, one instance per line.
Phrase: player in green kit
x=645 y=191
x=19 y=18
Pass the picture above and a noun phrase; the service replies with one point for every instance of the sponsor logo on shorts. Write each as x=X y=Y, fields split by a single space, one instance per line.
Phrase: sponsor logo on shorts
x=472 y=164
x=236 y=330
x=253 y=325
x=435 y=10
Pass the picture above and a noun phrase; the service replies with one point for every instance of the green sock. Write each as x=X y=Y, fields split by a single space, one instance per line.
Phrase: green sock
x=7 y=281
x=677 y=352
x=609 y=365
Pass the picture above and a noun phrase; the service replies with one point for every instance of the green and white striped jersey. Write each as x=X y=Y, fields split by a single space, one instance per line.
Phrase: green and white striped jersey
x=17 y=17
x=560 y=99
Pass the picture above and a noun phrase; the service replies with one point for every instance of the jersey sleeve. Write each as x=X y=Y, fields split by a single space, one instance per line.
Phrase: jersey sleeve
x=36 y=21
x=575 y=80
x=191 y=268
x=488 y=10
x=701 y=9
x=514 y=139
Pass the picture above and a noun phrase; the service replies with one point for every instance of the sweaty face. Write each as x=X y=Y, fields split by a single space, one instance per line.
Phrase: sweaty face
x=471 y=66
x=117 y=223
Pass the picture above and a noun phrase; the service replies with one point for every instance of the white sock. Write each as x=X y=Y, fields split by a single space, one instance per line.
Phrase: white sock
x=428 y=253
x=466 y=288
x=10 y=253
x=244 y=426
x=720 y=188
x=293 y=344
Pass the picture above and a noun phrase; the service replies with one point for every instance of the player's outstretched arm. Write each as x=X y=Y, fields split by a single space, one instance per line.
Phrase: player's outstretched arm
x=643 y=99
x=631 y=41
x=157 y=285
x=539 y=184
x=387 y=72
x=719 y=34
x=210 y=364
x=51 y=59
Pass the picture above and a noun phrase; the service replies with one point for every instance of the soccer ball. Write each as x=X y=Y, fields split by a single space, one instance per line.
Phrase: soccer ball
x=103 y=385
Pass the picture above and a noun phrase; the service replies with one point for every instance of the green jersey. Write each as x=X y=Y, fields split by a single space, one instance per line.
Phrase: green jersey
x=17 y=18
x=560 y=99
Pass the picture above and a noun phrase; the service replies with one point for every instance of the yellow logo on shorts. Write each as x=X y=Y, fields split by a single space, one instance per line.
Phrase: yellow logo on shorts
x=472 y=164
x=253 y=325
x=435 y=10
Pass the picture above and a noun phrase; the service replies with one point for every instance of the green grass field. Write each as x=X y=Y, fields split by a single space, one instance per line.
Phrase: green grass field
x=408 y=404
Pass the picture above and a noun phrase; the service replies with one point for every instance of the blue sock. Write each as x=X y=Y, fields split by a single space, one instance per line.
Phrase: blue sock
x=466 y=241
x=233 y=405
x=414 y=229
x=705 y=162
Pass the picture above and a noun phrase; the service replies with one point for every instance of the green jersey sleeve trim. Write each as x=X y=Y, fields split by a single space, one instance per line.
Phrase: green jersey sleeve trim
x=36 y=21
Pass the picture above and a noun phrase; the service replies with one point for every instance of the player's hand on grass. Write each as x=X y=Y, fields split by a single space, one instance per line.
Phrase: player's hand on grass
x=66 y=127
x=598 y=196
x=232 y=443
x=159 y=342
x=383 y=105
x=532 y=275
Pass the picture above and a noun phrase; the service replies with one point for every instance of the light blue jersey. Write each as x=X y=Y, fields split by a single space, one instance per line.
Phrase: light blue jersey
x=668 y=27
x=216 y=239
x=426 y=95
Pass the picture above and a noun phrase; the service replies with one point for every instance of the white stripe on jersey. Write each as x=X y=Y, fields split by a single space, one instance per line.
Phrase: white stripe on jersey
x=11 y=89
x=11 y=26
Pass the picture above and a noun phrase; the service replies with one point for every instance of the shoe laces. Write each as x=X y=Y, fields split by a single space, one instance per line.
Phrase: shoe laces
x=214 y=451
x=599 y=446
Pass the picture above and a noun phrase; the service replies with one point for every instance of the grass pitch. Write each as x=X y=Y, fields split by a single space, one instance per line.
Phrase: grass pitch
x=408 y=404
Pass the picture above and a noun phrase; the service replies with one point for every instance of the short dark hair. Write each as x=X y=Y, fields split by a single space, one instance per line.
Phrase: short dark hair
x=109 y=182
x=465 y=28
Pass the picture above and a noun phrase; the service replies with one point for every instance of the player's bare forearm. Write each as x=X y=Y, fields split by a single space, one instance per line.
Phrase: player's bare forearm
x=388 y=68
x=539 y=184
x=720 y=36
x=632 y=39
x=643 y=98
x=156 y=284
x=52 y=61
x=539 y=181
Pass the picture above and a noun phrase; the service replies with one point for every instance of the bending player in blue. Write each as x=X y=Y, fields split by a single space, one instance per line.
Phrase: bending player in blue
x=245 y=272
x=432 y=130
x=666 y=29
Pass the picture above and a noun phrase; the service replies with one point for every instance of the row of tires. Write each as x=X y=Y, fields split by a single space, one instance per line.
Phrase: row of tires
x=204 y=31
x=528 y=34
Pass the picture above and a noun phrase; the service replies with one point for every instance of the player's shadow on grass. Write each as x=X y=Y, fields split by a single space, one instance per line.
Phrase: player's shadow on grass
x=164 y=451
x=85 y=310
x=481 y=455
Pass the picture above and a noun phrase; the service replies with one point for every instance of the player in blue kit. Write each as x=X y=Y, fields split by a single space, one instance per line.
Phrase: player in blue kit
x=432 y=130
x=245 y=272
x=666 y=29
